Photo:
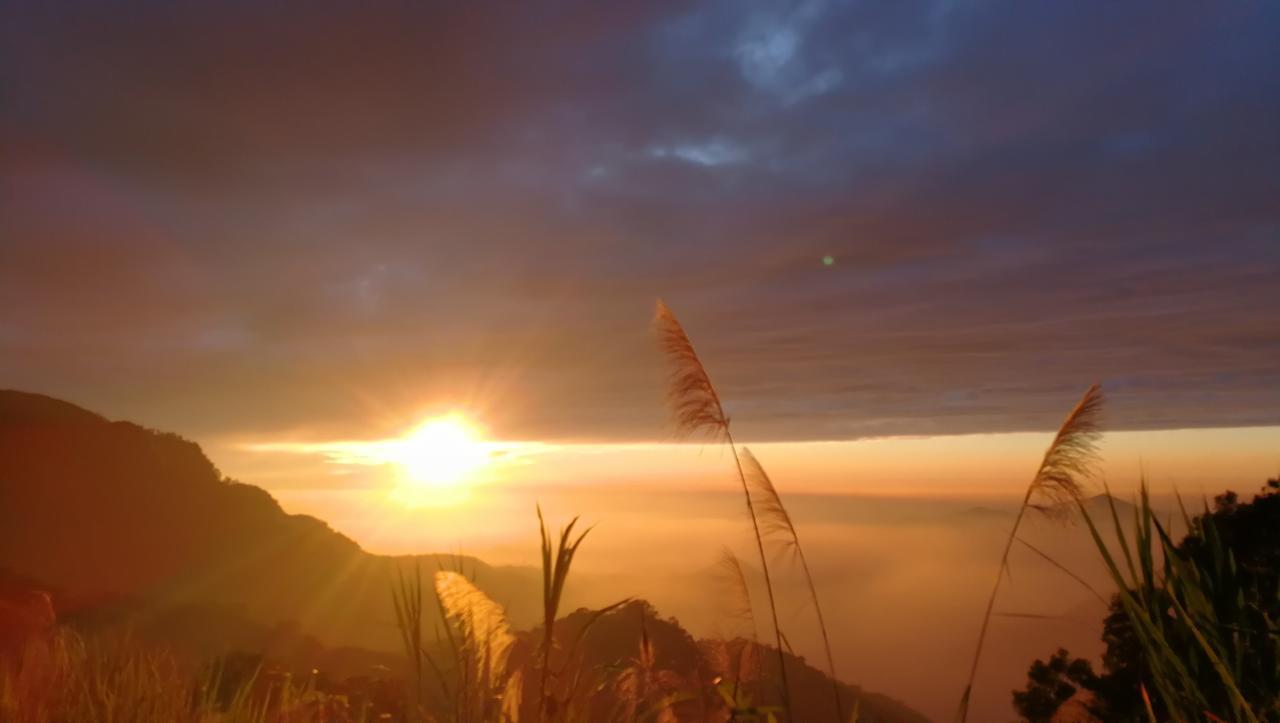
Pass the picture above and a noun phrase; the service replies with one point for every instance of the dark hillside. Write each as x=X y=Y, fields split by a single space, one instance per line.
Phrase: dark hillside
x=104 y=510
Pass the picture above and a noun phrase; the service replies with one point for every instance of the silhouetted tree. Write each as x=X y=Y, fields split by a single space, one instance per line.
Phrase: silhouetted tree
x=1052 y=683
x=1237 y=544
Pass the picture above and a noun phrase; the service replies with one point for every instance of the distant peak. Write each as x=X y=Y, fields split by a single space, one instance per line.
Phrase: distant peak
x=1102 y=498
x=29 y=408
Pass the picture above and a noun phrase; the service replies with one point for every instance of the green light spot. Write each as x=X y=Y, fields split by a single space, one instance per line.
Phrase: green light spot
x=828 y=260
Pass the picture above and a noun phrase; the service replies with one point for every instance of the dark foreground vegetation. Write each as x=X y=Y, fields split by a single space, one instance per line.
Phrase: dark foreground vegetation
x=135 y=568
x=1193 y=635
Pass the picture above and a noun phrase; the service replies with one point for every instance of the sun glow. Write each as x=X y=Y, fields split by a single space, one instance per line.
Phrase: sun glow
x=443 y=453
x=442 y=462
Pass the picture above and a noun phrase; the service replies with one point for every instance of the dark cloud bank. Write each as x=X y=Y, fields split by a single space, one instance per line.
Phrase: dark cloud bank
x=238 y=216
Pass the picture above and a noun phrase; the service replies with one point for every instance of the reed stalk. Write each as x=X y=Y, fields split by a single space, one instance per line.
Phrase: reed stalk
x=777 y=524
x=1070 y=456
x=556 y=560
x=696 y=408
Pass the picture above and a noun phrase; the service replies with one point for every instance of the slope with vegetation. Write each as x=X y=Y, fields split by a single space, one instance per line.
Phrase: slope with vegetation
x=112 y=513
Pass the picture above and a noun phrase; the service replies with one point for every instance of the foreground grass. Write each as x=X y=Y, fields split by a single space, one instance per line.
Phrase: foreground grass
x=63 y=677
x=1207 y=627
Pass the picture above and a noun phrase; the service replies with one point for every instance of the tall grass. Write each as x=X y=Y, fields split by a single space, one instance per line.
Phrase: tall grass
x=696 y=409
x=406 y=598
x=1209 y=647
x=65 y=677
x=68 y=678
x=776 y=523
x=485 y=643
x=473 y=645
x=1070 y=457
x=556 y=561
x=448 y=670
x=479 y=681
x=741 y=666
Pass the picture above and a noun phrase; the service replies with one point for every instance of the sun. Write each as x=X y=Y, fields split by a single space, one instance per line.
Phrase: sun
x=442 y=453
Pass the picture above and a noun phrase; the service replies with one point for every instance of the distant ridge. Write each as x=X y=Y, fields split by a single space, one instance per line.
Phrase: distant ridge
x=1095 y=504
x=28 y=408
x=980 y=514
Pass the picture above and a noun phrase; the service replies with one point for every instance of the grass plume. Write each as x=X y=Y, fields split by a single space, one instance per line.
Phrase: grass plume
x=776 y=523
x=737 y=599
x=695 y=404
x=737 y=595
x=1070 y=457
x=486 y=642
x=696 y=408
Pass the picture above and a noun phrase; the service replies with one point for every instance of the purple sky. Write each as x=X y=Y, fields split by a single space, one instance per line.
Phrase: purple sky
x=242 y=217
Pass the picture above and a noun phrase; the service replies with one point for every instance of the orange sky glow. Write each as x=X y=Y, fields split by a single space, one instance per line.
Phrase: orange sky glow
x=355 y=486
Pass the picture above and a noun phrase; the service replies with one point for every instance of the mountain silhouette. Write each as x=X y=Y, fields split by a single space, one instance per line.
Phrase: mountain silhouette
x=1098 y=505
x=110 y=511
x=679 y=662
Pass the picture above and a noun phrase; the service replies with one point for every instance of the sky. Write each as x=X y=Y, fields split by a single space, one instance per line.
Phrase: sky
x=874 y=218
x=904 y=236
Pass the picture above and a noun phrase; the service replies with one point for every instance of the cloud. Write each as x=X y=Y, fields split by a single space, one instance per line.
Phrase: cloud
x=245 y=215
x=715 y=152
